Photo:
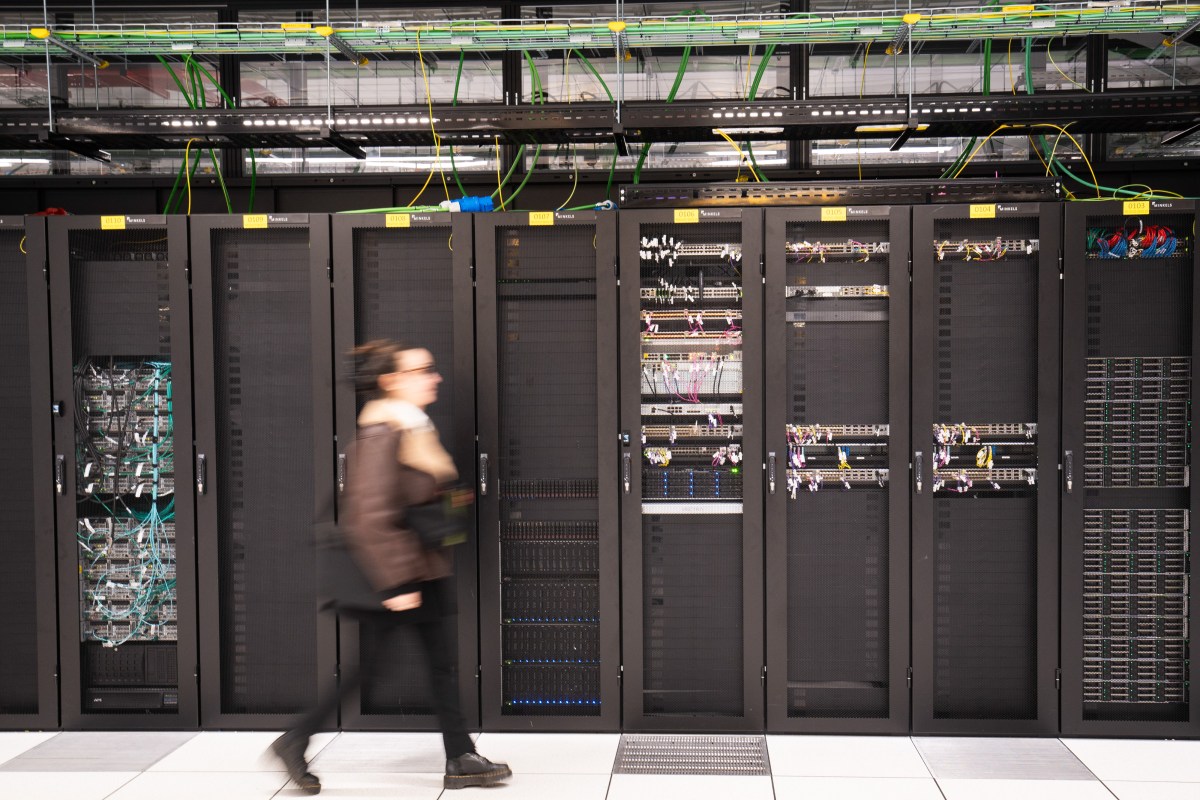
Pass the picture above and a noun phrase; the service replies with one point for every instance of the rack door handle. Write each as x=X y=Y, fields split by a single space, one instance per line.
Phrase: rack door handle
x=626 y=472
x=201 y=473
x=60 y=470
x=771 y=471
x=1069 y=469
x=341 y=472
x=917 y=456
x=483 y=464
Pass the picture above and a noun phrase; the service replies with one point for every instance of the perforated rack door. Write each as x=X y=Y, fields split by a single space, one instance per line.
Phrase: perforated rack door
x=407 y=277
x=546 y=310
x=265 y=463
x=837 y=544
x=28 y=691
x=691 y=406
x=1129 y=344
x=986 y=304
x=121 y=328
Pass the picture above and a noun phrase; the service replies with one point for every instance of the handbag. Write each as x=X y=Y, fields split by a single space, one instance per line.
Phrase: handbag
x=444 y=521
x=341 y=585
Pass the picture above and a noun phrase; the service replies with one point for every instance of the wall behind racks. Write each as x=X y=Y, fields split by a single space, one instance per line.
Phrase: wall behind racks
x=734 y=471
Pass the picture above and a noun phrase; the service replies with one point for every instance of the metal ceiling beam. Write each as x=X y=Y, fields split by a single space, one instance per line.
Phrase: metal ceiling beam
x=929 y=116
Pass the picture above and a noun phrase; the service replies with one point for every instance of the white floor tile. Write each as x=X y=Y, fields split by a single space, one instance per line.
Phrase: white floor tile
x=382 y=752
x=202 y=786
x=846 y=757
x=1139 y=760
x=538 y=753
x=13 y=744
x=374 y=786
x=691 y=787
x=1147 y=790
x=62 y=785
x=990 y=789
x=856 y=789
x=232 y=751
x=523 y=786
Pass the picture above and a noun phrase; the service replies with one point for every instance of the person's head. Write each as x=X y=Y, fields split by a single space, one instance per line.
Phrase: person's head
x=384 y=368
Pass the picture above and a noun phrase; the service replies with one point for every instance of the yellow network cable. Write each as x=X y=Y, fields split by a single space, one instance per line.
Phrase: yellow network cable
x=437 y=140
x=499 y=185
x=1054 y=64
x=1077 y=147
x=978 y=148
x=187 y=175
x=741 y=155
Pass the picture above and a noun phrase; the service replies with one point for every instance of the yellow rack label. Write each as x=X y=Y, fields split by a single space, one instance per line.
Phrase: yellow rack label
x=398 y=221
x=833 y=214
x=254 y=220
x=541 y=217
x=296 y=26
x=1137 y=207
x=983 y=211
x=112 y=223
x=687 y=215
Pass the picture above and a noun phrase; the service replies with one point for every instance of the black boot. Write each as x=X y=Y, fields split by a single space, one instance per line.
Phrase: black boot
x=472 y=769
x=290 y=748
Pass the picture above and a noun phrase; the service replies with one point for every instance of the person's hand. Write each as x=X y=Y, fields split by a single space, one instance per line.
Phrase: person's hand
x=403 y=602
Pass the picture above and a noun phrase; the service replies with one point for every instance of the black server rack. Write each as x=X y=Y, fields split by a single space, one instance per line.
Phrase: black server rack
x=407 y=277
x=1129 y=340
x=122 y=388
x=28 y=689
x=548 y=560
x=691 y=469
x=837 y=502
x=264 y=463
x=986 y=309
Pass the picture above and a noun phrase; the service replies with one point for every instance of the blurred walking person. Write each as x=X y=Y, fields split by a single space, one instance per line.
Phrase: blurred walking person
x=394 y=526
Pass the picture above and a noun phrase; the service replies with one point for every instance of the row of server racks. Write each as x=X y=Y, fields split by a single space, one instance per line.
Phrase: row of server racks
x=870 y=469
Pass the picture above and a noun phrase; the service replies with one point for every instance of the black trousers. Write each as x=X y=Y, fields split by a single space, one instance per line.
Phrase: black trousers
x=437 y=638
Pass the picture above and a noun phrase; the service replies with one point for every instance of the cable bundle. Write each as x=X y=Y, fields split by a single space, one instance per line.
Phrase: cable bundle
x=1148 y=241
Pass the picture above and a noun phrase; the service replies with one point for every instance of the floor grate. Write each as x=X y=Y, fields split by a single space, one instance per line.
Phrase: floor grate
x=650 y=754
x=1020 y=759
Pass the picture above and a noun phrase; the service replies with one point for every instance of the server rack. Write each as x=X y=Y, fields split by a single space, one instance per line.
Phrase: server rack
x=28 y=686
x=546 y=301
x=986 y=300
x=691 y=427
x=122 y=388
x=837 y=502
x=264 y=463
x=408 y=277
x=1129 y=340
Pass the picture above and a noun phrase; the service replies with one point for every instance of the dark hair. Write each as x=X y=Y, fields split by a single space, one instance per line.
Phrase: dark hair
x=372 y=360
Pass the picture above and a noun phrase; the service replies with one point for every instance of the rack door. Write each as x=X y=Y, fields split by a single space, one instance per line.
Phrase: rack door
x=837 y=513
x=122 y=471
x=1129 y=340
x=264 y=464
x=986 y=297
x=546 y=470
x=407 y=277
x=28 y=670
x=692 y=469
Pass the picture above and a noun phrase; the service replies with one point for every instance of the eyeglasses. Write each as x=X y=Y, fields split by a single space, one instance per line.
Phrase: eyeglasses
x=424 y=369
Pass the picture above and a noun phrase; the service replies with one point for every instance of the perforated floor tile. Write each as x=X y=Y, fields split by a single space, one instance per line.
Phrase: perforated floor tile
x=98 y=752
x=1000 y=759
x=650 y=754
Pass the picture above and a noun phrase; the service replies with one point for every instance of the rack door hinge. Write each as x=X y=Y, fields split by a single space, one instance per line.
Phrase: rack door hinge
x=329 y=269
x=910 y=677
x=621 y=673
x=762 y=265
x=763 y=679
x=1058 y=679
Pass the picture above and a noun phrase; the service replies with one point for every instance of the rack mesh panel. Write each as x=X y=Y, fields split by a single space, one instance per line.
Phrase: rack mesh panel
x=124 y=458
x=18 y=588
x=403 y=290
x=1137 y=460
x=691 y=396
x=985 y=533
x=547 y=474
x=837 y=538
x=264 y=465
x=692 y=614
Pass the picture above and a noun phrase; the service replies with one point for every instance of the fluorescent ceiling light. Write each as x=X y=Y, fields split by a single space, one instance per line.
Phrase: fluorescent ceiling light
x=735 y=162
x=854 y=151
x=892 y=128
x=732 y=131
